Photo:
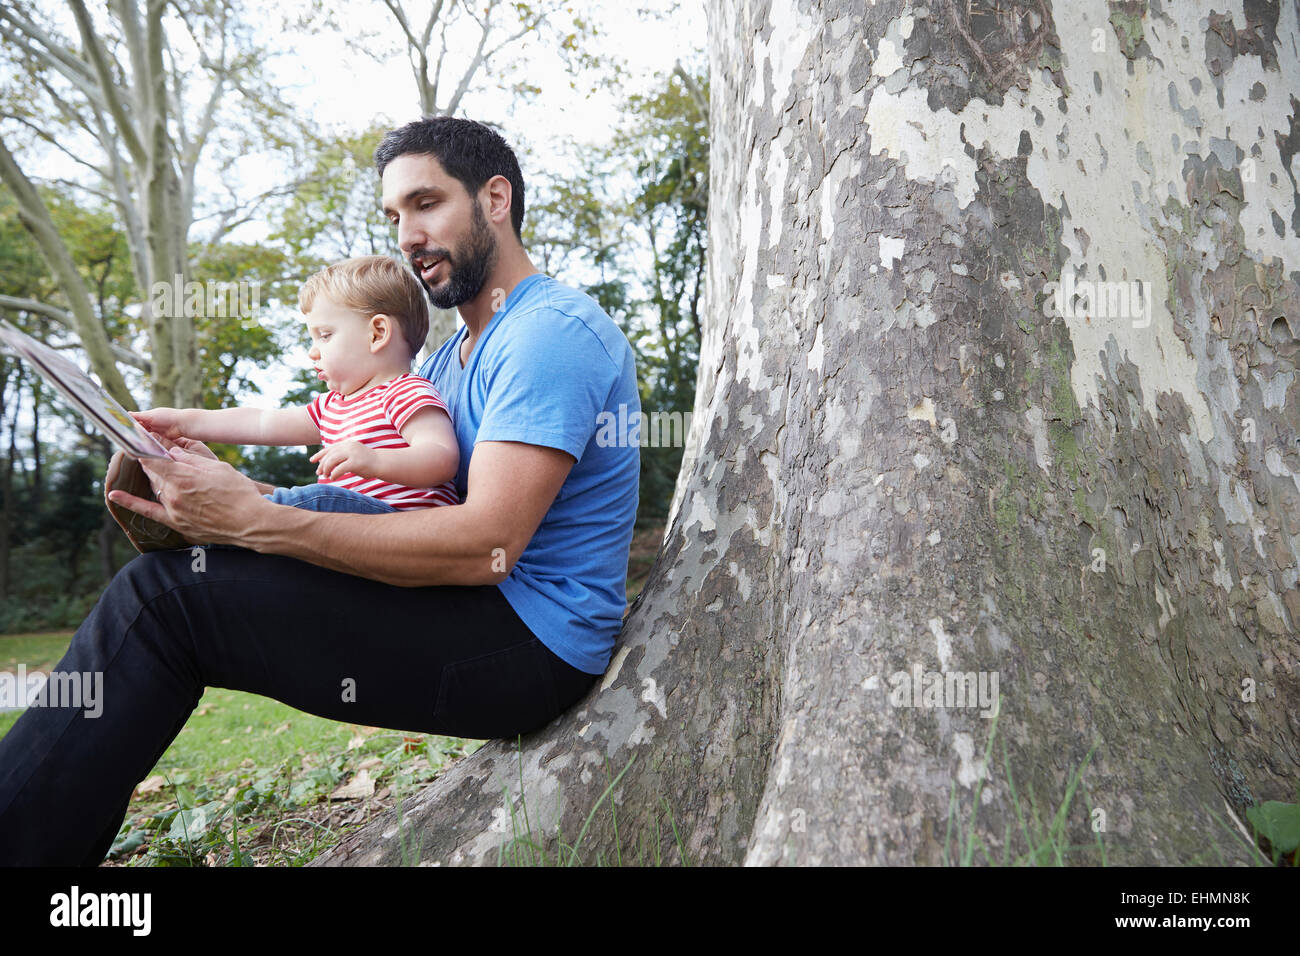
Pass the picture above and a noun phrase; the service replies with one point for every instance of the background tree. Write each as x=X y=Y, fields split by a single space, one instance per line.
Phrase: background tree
x=451 y=45
x=669 y=137
x=143 y=96
x=34 y=422
x=904 y=456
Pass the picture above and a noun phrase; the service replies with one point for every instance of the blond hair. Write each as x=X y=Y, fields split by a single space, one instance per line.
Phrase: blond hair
x=370 y=285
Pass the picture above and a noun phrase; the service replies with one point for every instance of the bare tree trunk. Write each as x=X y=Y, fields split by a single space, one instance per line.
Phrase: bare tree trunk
x=38 y=470
x=910 y=466
x=6 y=485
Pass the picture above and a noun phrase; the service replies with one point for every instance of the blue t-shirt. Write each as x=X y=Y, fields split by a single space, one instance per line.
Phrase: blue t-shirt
x=551 y=368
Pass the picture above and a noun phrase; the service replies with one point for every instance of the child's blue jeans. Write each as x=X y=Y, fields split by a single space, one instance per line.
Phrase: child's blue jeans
x=330 y=498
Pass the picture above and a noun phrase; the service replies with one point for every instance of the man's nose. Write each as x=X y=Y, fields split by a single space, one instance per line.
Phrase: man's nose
x=409 y=235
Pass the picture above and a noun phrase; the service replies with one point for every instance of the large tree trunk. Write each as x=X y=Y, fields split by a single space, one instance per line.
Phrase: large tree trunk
x=901 y=460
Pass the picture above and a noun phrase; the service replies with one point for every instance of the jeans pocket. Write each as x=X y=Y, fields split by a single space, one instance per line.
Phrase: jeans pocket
x=501 y=694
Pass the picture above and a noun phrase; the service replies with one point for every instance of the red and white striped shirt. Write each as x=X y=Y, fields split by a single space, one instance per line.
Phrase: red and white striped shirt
x=375 y=418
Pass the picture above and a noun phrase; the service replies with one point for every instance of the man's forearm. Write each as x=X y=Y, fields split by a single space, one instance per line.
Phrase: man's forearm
x=445 y=545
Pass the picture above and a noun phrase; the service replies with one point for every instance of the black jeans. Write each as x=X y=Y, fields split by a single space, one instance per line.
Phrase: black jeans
x=438 y=660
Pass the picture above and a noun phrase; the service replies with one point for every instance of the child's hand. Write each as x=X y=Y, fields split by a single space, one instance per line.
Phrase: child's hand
x=335 y=461
x=164 y=421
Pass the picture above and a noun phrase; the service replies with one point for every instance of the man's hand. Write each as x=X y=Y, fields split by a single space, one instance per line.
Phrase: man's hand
x=186 y=444
x=201 y=497
x=335 y=461
x=195 y=447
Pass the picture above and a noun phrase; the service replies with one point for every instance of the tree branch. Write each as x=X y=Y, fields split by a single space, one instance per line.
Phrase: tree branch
x=693 y=89
x=36 y=218
x=53 y=52
x=45 y=135
x=107 y=84
x=478 y=60
x=66 y=319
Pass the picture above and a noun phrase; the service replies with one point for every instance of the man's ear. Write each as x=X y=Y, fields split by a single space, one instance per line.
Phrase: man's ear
x=381 y=329
x=499 y=195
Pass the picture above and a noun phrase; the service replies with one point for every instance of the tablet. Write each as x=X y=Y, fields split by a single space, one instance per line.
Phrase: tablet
x=84 y=393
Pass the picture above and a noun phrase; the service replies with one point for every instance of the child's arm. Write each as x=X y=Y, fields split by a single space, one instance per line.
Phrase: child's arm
x=236 y=426
x=431 y=460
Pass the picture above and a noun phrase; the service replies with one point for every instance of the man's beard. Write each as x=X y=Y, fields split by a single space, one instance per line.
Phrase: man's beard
x=467 y=270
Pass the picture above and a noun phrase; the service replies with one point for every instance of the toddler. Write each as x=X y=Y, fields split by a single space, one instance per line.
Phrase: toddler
x=388 y=440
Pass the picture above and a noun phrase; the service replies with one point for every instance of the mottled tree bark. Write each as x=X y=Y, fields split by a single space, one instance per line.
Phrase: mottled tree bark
x=908 y=458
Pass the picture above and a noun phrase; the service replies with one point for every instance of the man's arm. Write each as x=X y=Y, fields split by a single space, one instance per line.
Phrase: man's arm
x=511 y=486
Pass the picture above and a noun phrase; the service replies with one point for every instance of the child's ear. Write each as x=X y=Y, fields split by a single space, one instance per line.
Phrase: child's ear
x=381 y=330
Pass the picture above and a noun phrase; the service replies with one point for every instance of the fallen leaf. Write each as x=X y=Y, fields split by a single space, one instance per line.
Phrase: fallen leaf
x=152 y=785
x=359 y=787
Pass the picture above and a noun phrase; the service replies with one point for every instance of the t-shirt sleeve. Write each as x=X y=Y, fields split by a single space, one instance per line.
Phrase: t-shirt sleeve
x=547 y=384
x=408 y=397
x=315 y=406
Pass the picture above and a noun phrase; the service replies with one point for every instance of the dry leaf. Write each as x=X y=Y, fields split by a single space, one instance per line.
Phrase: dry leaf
x=359 y=787
x=152 y=785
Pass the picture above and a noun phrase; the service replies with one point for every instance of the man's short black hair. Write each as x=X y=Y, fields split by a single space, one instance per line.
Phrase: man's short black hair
x=470 y=152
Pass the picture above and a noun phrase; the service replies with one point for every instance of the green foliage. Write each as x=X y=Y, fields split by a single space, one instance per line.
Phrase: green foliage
x=250 y=781
x=282 y=467
x=630 y=228
x=76 y=511
x=335 y=213
x=1278 y=824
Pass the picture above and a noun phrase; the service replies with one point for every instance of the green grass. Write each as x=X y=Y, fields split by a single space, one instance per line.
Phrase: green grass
x=528 y=848
x=1046 y=839
x=36 y=652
